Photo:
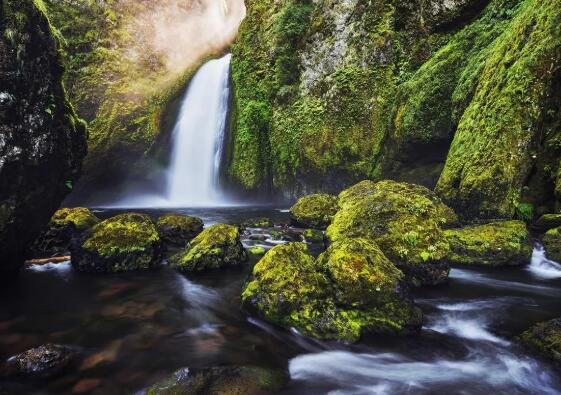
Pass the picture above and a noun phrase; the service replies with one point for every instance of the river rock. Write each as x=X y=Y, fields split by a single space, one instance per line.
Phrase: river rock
x=314 y=211
x=547 y=222
x=545 y=337
x=257 y=223
x=177 y=230
x=119 y=244
x=405 y=220
x=41 y=362
x=313 y=236
x=256 y=251
x=552 y=244
x=502 y=243
x=42 y=142
x=242 y=380
x=216 y=247
x=66 y=224
x=351 y=290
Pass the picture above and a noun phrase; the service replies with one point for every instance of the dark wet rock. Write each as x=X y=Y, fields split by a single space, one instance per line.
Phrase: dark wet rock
x=257 y=223
x=122 y=243
x=242 y=380
x=547 y=222
x=66 y=224
x=405 y=220
x=314 y=211
x=545 y=337
x=42 y=362
x=313 y=236
x=216 y=247
x=502 y=243
x=177 y=230
x=552 y=244
x=42 y=142
x=351 y=290
x=257 y=237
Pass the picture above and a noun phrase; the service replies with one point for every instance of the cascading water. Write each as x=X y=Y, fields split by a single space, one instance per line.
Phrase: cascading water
x=198 y=136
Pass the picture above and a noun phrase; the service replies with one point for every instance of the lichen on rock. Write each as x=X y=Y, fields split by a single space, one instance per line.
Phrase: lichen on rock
x=314 y=211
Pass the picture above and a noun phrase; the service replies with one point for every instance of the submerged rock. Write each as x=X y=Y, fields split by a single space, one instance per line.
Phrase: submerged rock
x=547 y=222
x=122 y=243
x=351 y=290
x=66 y=224
x=545 y=337
x=242 y=380
x=405 y=220
x=552 y=244
x=503 y=243
x=314 y=211
x=216 y=247
x=177 y=230
x=42 y=362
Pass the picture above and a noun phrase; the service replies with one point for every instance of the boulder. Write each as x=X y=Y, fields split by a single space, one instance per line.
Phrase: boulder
x=313 y=236
x=314 y=211
x=41 y=362
x=545 y=337
x=502 y=243
x=66 y=224
x=405 y=220
x=244 y=380
x=257 y=223
x=122 y=243
x=216 y=247
x=552 y=244
x=547 y=222
x=256 y=251
x=177 y=230
x=349 y=291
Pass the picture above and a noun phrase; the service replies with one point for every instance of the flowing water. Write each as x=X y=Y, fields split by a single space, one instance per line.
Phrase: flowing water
x=135 y=329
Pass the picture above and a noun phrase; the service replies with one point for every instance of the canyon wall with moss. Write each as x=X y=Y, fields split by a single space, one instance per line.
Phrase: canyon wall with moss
x=462 y=95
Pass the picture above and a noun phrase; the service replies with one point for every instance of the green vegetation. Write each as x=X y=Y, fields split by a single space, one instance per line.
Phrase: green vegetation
x=504 y=243
x=552 y=244
x=545 y=338
x=314 y=211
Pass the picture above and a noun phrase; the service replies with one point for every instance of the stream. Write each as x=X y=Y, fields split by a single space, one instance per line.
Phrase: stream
x=135 y=329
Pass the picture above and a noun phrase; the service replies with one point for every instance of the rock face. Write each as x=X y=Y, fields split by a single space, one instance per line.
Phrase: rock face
x=177 y=230
x=505 y=243
x=119 y=244
x=405 y=220
x=41 y=362
x=216 y=247
x=244 y=380
x=333 y=91
x=351 y=290
x=552 y=244
x=66 y=224
x=42 y=142
x=314 y=211
x=545 y=338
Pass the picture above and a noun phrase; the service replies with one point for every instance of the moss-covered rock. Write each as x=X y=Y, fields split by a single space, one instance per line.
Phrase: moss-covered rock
x=256 y=251
x=42 y=142
x=216 y=247
x=313 y=236
x=225 y=380
x=547 y=222
x=552 y=244
x=350 y=291
x=503 y=243
x=545 y=337
x=405 y=220
x=177 y=230
x=314 y=211
x=118 y=244
x=262 y=222
x=66 y=224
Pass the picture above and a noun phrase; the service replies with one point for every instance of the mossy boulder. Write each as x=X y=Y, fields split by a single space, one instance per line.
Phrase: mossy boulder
x=547 y=222
x=545 y=337
x=177 y=230
x=216 y=247
x=314 y=211
x=502 y=243
x=256 y=251
x=257 y=223
x=66 y=224
x=313 y=236
x=122 y=243
x=351 y=290
x=224 y=380
x=405 y=220
x=552 y=244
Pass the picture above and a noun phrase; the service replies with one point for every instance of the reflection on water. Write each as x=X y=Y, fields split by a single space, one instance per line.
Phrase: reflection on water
x=135 y=329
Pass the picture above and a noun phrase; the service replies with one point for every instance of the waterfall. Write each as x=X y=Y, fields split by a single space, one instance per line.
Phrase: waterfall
x=198 y=136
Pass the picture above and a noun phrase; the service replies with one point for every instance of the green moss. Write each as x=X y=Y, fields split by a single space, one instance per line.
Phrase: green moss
x=313 y=236
x=547 y=222
x=178 y=229
x=216 y=247
x=82 y=218
x=315 y=211
x=545 y=337
x=552 y=244
x=257 y=223
x=405 y=220
x=256 y=251
x=494 y=244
